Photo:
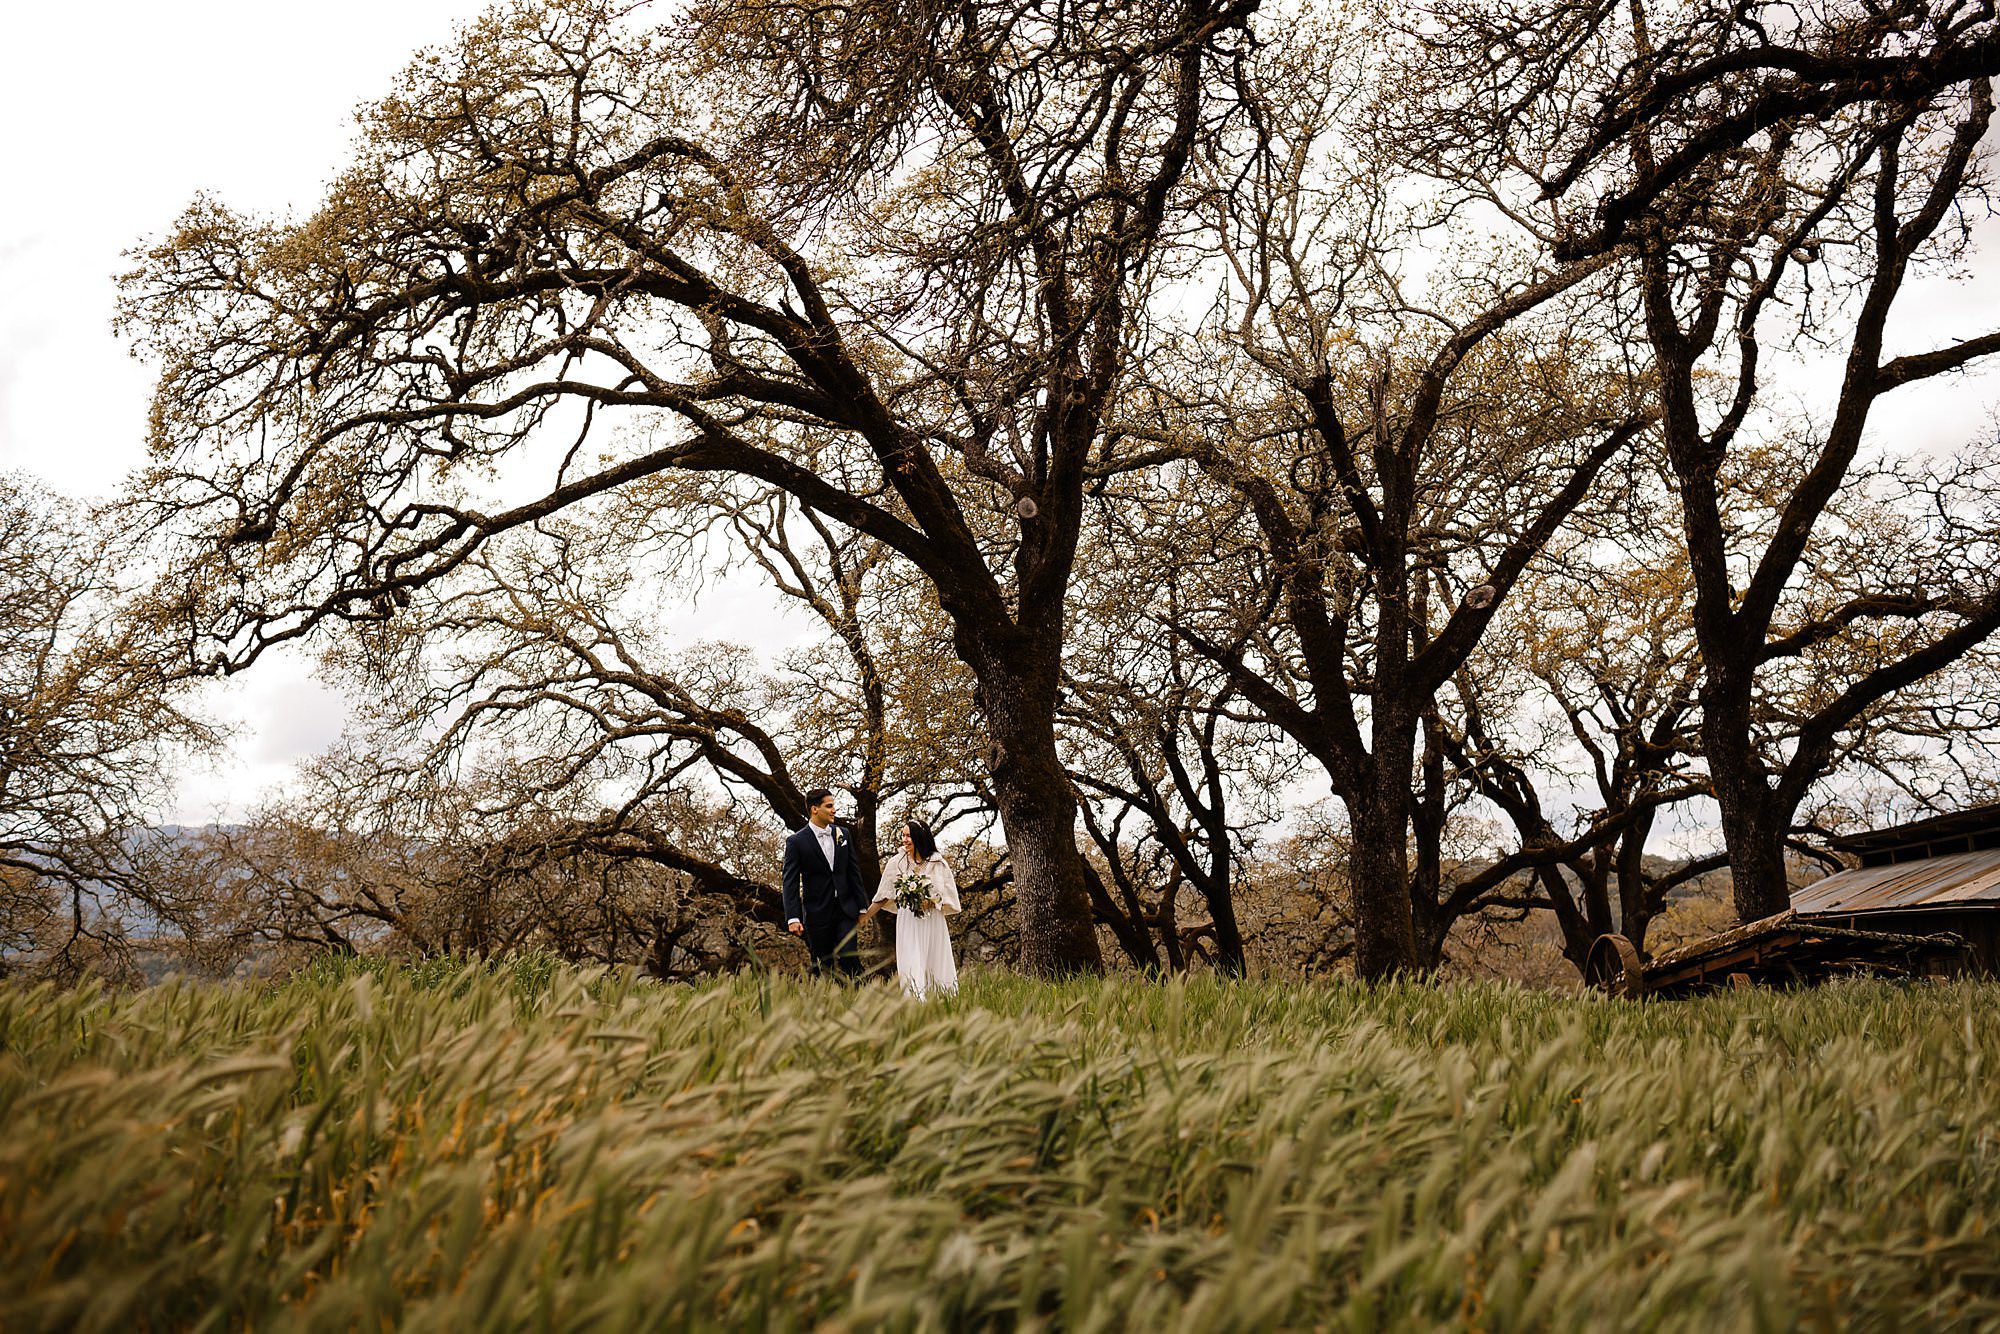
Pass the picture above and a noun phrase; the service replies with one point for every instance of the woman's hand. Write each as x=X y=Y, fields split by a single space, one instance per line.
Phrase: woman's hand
x=929 y=906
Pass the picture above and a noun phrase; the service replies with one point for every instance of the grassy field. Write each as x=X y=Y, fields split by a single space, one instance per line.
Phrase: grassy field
x=540 y=1148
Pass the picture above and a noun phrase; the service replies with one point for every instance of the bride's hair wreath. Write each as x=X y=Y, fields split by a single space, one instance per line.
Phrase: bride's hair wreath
x=921 y=838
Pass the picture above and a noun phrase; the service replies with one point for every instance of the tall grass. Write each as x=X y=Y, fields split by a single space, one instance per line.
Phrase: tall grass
x=535 y=1147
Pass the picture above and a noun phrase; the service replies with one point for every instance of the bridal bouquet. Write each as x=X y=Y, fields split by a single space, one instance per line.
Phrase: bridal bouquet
x=911 y=891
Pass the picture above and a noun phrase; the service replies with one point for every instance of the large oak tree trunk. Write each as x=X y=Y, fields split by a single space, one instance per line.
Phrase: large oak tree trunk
x=868 y=836
x=1017 y=691
x=1385 y=942
x=1753 y=825
x=1755 y=838
x=1384 y=936
x=1430 y=925
x=1038 y=813
x=1229 y=955
x=1635 y=908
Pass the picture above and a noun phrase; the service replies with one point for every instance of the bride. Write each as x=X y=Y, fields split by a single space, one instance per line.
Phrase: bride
x=923 y=943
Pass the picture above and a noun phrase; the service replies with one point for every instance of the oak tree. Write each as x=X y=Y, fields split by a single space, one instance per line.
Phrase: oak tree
x=905 y=244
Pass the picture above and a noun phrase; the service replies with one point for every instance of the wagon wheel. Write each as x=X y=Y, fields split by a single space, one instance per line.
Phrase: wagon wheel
x=1613 y=964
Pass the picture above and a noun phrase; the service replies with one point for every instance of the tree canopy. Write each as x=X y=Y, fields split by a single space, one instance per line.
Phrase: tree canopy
x=1227 y=390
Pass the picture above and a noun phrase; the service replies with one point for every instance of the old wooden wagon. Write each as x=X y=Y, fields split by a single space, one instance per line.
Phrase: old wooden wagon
x=1924 y=900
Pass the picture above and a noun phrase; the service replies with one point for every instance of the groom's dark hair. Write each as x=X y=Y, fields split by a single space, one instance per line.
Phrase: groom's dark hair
x=814 y=796
x=921 y=839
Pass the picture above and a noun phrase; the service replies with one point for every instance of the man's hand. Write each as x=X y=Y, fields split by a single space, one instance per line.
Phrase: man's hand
x=797 y=928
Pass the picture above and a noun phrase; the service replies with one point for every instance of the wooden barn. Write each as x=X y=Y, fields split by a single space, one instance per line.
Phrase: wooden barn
x=1938 y=874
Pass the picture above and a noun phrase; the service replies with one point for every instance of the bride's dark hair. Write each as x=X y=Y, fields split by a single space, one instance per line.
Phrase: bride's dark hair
x=921 y=839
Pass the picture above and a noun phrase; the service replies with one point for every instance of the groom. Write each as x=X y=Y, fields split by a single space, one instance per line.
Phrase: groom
x=822 y=889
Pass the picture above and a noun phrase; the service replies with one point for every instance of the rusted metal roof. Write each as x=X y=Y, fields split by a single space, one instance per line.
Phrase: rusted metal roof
x=1937 y=882
x=1973 y=830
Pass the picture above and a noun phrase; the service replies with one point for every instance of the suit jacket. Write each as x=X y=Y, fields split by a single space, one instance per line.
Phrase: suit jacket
x=811 y=886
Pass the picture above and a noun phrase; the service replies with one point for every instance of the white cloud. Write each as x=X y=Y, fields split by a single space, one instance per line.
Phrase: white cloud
x=277 y=715
x=117 y=115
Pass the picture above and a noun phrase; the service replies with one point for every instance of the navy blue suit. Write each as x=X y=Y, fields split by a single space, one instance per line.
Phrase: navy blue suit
x=828 y=899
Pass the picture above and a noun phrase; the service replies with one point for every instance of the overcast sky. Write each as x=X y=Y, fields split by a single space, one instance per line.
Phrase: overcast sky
x=119 y=113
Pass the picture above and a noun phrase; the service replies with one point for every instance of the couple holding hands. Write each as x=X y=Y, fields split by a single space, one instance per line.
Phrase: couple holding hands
x=825 y=900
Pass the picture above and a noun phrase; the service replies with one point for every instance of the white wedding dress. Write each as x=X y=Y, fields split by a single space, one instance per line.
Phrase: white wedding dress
x=923 y=943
